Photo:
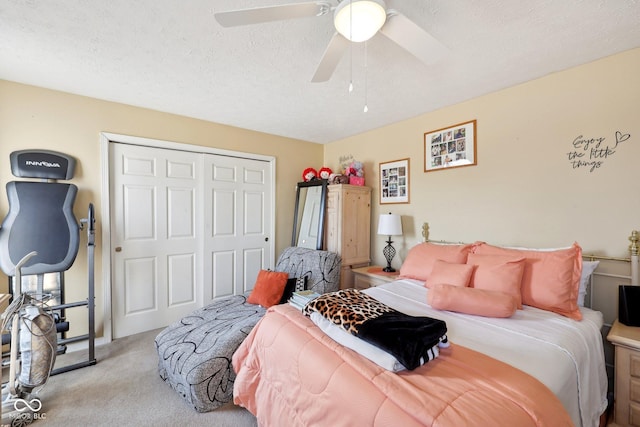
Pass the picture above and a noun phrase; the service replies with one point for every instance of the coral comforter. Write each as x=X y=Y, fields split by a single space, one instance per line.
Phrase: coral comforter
x=290 y=373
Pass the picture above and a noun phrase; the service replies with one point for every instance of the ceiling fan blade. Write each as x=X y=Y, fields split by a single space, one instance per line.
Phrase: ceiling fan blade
x=259 y=15
x=330 y=58
x=412 y=38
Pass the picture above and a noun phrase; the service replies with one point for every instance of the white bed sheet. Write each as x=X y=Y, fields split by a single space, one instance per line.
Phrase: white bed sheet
x=565 y=355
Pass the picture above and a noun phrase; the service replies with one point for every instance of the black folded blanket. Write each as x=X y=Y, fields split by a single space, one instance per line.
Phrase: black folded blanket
x=408 y=338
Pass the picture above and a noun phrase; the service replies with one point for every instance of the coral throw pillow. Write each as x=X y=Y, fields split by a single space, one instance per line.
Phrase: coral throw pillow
x=480 y=302
x=421 y=258
x=502 y=273
x=450 y=274
x=269 y=288
x=551 y=279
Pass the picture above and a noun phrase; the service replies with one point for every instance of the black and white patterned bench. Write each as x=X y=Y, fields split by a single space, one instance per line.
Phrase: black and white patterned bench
x=194 y=353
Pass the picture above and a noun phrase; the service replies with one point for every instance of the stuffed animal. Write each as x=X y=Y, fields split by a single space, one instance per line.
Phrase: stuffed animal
x=325 y=173
x=355 y=169
x=338 y=179
x=309 y=174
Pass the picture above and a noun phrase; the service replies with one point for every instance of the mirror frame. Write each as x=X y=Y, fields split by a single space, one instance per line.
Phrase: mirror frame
x=323 y=199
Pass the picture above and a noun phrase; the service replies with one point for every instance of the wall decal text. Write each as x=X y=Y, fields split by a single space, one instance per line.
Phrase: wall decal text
x=345 y=160
x=591 y=153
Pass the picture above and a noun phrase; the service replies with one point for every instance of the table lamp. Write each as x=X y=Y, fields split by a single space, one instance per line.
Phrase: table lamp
x=389 y=225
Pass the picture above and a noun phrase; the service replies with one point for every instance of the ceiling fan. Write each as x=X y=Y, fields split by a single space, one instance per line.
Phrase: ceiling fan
x=354 y=20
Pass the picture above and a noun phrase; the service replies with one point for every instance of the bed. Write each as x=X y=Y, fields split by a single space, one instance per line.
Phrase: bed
x=539 y=366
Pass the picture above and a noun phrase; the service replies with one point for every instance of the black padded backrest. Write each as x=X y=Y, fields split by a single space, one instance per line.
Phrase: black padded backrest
x=40 y=219
x=44 y=164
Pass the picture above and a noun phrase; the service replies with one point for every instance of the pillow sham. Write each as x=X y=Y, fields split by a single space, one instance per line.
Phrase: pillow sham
x=480 y=302
x=551 y=279
x=588 y=267
x=420 y=259
x=268 y=288
x=502 y=273
x=293 y=285
x=449 y=273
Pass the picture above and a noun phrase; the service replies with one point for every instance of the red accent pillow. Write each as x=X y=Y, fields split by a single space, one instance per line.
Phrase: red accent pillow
x=269 y=288
x=421 y=258
x=551 y=279
x=480 y=302
x=502 y=273
x=449 y=273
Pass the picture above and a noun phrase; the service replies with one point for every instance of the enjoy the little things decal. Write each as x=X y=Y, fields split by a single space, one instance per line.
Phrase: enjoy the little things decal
x=591 y=153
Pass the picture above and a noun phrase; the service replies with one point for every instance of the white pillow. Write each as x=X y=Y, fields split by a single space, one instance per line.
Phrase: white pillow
x=587 y=269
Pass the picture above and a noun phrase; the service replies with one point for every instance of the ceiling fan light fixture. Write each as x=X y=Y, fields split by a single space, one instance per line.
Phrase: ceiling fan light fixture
x=366 y=16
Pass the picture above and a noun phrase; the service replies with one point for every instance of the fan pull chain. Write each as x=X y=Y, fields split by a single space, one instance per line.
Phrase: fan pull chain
x=351 y=67
x=366 y=108
x=350 y=46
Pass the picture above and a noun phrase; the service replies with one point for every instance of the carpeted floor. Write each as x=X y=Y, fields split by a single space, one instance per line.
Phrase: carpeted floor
x=124 y=389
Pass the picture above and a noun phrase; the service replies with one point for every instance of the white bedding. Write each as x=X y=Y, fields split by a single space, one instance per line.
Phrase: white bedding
x=565 y=355
x=371 y=352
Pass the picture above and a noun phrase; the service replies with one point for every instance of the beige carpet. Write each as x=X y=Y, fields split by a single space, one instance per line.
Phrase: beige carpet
x=124 y=389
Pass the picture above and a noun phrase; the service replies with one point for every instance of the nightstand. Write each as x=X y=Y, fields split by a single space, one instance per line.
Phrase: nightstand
x=626 y=340
x=372 y=275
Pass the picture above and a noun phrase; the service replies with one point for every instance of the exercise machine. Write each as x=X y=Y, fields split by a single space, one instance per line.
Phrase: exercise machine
x=41 y=231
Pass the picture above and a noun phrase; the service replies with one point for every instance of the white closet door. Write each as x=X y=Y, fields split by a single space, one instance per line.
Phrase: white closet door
x=237 y=211
x=186 y=227
x=156 y=229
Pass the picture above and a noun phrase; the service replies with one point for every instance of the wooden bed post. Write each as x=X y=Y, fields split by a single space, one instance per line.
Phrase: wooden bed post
x=425 y=231
x=633 y=249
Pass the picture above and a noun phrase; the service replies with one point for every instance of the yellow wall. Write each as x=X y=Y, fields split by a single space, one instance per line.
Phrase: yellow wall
x=524 y=190
x=32 y=117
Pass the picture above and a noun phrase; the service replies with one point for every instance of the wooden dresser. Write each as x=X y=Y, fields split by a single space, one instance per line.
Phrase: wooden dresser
x=348 y=227
x=626 y=340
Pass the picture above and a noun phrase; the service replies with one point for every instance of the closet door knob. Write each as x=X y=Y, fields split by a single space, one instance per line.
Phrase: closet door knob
x=119 y=249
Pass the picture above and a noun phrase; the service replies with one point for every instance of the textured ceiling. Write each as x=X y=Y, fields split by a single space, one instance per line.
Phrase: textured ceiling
x=172 y=56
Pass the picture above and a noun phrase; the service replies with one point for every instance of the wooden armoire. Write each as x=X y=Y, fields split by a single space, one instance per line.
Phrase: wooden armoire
x=348 y=227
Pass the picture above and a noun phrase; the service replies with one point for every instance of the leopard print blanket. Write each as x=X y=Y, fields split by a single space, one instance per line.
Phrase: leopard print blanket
x=348 y=308
x=409 y=338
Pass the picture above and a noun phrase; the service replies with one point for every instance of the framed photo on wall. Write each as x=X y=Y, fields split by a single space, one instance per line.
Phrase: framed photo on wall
x=394 y=182
x=450 y=147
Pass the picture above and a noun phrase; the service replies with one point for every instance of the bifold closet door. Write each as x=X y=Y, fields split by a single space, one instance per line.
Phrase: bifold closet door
x=156 y=224
x=186 y=227
x=237 y=212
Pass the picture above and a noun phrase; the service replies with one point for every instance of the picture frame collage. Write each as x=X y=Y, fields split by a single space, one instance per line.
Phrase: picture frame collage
x=450 y=147
x=394 y=181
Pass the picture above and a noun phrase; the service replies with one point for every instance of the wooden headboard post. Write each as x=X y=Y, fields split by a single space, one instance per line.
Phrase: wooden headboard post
x=425 y=231
x=633 y=250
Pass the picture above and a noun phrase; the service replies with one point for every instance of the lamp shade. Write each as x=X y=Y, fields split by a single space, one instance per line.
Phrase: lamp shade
x=359 y=20
x=390 y=225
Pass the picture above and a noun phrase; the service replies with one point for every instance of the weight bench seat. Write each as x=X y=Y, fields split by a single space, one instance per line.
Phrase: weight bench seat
x=194 y=353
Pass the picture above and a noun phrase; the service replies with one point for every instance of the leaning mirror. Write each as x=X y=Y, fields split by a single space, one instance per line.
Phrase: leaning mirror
x=308 y=216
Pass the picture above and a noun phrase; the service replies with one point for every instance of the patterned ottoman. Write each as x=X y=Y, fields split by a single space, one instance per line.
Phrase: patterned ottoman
x=194 y=353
